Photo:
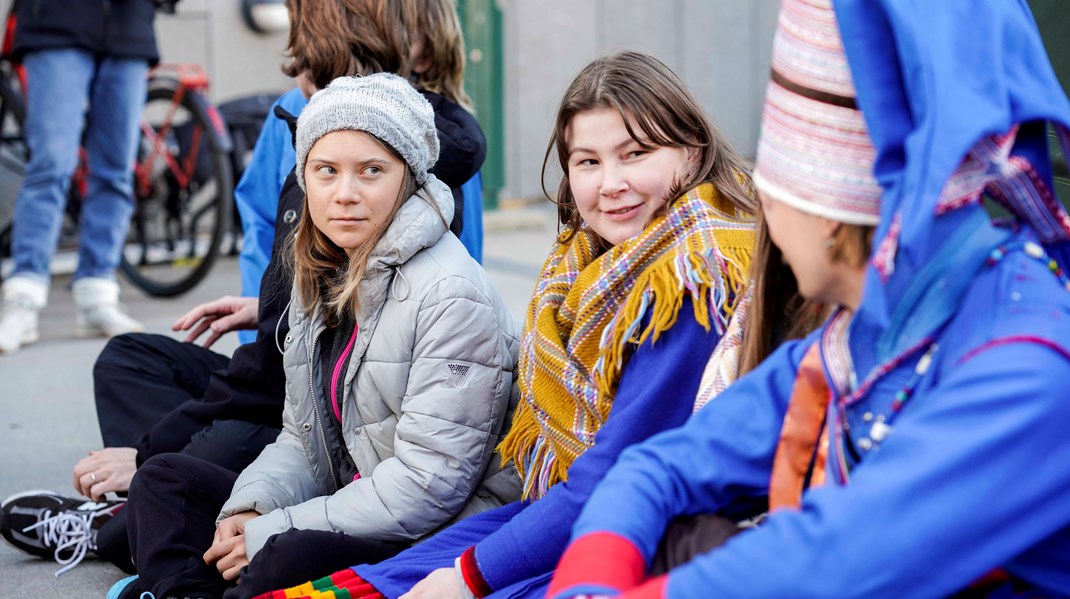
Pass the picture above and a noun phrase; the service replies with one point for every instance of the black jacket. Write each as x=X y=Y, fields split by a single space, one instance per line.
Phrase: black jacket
x=120 y=28
x=252 y=387
x=463 y=150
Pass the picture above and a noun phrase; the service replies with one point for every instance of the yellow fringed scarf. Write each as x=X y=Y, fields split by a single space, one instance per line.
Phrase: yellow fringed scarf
x=584 y=319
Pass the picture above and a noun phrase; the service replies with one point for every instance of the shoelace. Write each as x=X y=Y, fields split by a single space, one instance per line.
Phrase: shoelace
x=68 y=530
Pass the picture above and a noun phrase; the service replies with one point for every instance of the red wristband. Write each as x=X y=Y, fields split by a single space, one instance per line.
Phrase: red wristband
x=471 y=574
x=599 y=559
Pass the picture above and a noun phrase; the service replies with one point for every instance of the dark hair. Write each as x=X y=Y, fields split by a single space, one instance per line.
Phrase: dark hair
x=336 y=38
x=652 y=97
x=777 y=312
x=439 y=25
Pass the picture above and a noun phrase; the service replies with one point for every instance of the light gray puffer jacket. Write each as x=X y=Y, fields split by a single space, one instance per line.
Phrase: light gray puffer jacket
x=429 y=384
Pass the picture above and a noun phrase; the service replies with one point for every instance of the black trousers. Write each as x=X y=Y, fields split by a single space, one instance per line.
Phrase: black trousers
x=174 y=501
x=138 y=379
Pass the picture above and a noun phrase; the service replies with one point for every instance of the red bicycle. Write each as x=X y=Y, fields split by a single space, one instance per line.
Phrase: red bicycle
x=183 y=179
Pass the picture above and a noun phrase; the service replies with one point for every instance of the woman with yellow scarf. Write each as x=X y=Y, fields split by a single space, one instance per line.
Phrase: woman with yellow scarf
x=636 y=293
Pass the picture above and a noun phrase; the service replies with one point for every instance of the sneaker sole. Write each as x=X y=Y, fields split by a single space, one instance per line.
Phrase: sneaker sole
x=85 y=333
x=23 y=342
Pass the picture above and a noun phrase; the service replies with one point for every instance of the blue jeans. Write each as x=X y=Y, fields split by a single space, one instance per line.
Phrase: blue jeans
x=69 y=90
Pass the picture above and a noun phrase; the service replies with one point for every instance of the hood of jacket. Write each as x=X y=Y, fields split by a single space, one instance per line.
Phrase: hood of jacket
x=934 y=92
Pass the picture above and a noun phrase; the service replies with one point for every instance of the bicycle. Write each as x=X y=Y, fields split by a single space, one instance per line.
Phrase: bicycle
x=183 y=180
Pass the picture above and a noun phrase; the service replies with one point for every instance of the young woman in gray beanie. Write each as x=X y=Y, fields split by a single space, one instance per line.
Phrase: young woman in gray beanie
x=400 y=368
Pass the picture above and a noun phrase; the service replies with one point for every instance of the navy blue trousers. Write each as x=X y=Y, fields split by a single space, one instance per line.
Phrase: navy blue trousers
x=138 y=379
x=174 y=502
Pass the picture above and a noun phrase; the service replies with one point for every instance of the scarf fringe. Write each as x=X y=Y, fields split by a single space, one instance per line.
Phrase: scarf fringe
x=590 y=310
x=540 y=468
x=714 y=279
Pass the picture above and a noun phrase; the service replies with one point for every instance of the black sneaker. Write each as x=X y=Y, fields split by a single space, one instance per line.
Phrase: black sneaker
x=49 y=525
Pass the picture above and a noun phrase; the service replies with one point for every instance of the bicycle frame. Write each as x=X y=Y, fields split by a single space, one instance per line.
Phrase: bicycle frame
x=188 y=77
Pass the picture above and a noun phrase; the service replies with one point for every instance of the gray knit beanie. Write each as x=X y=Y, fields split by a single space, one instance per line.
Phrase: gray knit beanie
x=383 y=105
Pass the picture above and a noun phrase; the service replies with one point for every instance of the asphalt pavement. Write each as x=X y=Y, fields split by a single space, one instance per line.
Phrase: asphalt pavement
x=47 y=416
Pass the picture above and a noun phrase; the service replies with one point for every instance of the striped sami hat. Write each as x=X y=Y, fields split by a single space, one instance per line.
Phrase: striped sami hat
x=814 y=152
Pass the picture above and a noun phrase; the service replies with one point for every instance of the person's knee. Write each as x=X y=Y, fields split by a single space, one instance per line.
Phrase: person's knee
x=161 y=468
x=233 y=444
x=116 y=353
x=299 y=542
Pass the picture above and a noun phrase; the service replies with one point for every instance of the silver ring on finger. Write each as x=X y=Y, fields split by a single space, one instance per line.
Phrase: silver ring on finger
x=93 y=476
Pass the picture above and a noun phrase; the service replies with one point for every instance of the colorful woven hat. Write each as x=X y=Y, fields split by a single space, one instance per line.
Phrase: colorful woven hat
x=814 y=152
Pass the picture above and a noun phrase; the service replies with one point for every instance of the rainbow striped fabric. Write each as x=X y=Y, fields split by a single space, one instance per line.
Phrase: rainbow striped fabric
x=344 y=584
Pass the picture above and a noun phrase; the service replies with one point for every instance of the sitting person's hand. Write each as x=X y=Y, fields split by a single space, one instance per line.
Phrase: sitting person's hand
x=221 y=316
x=227 y=552
x=105 y=470
x=443 y=583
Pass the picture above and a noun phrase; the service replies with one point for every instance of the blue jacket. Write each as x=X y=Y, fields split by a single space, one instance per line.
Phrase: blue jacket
x=257 y=193
x=972 y=475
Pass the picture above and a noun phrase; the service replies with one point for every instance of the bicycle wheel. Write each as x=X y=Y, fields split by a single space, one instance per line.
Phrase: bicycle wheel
x=13 y=157
x=183 y=191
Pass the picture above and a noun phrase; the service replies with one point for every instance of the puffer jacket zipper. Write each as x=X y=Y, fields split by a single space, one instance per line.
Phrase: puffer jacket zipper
x=316 y=412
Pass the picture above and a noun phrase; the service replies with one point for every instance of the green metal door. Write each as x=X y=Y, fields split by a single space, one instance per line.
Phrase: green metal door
x=1053 y=19
x=481 y=21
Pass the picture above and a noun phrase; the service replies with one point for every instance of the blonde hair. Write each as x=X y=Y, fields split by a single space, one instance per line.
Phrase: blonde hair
x=439 y=24
x=649 y=94
x=323 y=272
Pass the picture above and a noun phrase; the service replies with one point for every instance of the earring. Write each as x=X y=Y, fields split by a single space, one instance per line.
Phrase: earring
x=829 y=243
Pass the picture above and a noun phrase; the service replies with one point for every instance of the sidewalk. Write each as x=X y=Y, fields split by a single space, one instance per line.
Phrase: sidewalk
x=48 y=421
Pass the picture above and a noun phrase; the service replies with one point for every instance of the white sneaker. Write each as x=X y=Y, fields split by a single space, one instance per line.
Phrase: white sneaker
x=99 y=310
x=21 y=299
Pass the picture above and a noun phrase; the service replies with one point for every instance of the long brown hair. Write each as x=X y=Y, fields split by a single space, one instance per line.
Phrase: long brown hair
x=335 y=38
x=649 y=94
x=437 y=21
x=325 y=273
x=777 y=312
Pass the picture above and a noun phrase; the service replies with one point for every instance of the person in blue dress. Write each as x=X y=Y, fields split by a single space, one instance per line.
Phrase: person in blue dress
x=915 y=445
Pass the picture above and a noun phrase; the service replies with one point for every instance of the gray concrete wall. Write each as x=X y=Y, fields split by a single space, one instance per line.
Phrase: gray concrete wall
x=721 y=48
x=211 y=33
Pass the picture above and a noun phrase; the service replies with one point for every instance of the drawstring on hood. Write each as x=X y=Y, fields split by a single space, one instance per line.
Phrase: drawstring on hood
x=394 y=295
